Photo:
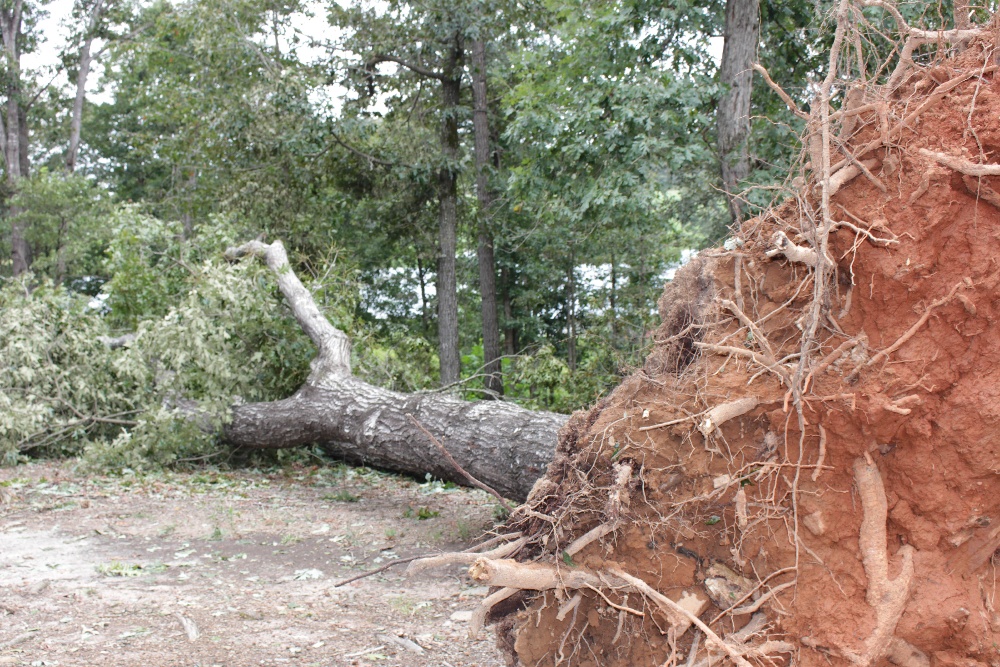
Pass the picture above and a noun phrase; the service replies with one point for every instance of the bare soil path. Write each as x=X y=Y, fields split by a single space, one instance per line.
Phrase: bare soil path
x=233 y=569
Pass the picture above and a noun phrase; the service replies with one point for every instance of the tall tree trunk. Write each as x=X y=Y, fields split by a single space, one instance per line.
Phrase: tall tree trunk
x=447 y=287
x=424 y=320
x=499 y=443
x=14 y=133
x=571 y=314
x=509 y=331
x=76 y=120
x=23 y=154
x=484 y=250
x=733 y=117
x=613 y=302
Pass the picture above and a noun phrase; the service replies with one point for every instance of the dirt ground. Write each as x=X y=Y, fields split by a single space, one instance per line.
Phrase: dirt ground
x=233 y=568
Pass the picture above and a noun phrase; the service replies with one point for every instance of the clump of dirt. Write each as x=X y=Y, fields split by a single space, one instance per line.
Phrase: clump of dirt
x=829 y=490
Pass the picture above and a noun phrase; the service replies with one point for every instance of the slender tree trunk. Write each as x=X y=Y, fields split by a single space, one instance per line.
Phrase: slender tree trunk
x=447 y=287
x=23 y=138
x=509 y=331
x=61 y=241
x=484 y=250
x=499 y=443
x=187 y=218
x=733 y=116
x=15 y=134
x=571 y=315
x=613 y=302
x=76 y=121
x=423 y=296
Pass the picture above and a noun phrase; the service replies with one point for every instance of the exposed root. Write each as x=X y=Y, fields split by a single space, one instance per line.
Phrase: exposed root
x=758 y=337
x=831 y=358
x=569 y=606
x=531 y=576
x=595 y=533
x=759 y=602
x=822 y=453
x=464 y=557
x=478 y=619
x=618 y=498
x=980 y=189
x=542 y=577
x=782 y=245
x=749 y=354
x=908 y=121
x=785 y=97
x=678 y=613
x=723 y=412
x=962 y=165
x=888 y=597
x=905 y=654
x=849 y=173
x=884 y=354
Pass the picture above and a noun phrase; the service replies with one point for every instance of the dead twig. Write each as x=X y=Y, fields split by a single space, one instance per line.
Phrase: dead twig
x=785 y=97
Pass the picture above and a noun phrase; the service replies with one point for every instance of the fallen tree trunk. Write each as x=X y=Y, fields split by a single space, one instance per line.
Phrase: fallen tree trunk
x=498 y=443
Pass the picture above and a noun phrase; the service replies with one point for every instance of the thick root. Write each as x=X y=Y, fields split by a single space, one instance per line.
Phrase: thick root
x=888 y=597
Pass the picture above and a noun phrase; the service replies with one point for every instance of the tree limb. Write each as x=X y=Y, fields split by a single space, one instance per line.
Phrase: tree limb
x=416 y=69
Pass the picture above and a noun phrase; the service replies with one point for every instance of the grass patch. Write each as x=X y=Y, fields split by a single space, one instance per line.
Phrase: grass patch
x=342 y=496
x=420 y=513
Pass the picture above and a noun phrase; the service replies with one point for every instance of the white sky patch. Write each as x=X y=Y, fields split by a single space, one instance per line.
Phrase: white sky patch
x=53 y=32
x=715 y=44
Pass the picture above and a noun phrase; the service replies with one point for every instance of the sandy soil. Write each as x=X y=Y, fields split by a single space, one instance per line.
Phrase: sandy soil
x=233 y=569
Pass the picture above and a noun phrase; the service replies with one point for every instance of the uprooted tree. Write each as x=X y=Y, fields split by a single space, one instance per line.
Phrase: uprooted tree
x=805 y=470
x=501 y=445
x=806 y=467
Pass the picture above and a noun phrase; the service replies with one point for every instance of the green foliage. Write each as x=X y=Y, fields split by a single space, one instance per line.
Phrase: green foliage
x=421 y=513
x=342 y=496
x=56 y=377
x=207 y=335
x=66 y=216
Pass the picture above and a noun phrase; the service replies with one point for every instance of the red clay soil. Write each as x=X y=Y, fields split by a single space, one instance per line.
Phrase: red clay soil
x=927 y=414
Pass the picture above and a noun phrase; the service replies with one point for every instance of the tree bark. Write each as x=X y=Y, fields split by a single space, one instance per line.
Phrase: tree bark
x=14 y=132
x=484 y=250
x=76 y=121
x=447 y=287
x=509 y=331
x=571 y=314
x=498 y=443
x=733 y=117
x=613 y=302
